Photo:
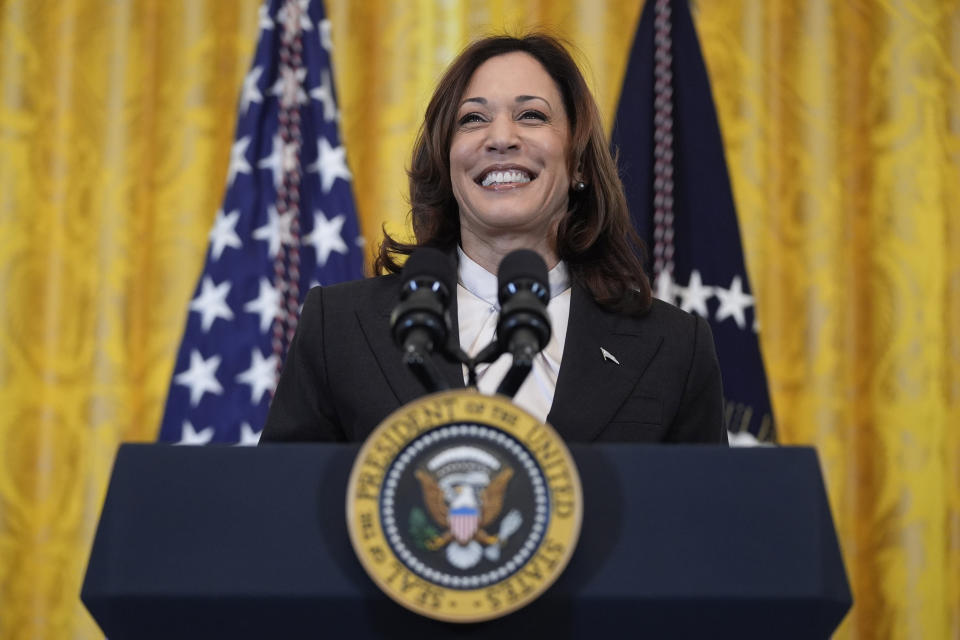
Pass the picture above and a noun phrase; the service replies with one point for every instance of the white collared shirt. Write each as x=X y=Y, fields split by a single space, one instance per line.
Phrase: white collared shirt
x=477 y=313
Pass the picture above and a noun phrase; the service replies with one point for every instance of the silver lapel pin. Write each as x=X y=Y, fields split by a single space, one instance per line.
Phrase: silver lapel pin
x=608 y=356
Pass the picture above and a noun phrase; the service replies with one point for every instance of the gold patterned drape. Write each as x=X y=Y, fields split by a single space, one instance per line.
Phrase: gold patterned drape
x=115 y=130
x=842 y=125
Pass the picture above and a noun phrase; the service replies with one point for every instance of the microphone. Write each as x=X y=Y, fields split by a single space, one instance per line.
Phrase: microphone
x=419 y=322
x=524 y=326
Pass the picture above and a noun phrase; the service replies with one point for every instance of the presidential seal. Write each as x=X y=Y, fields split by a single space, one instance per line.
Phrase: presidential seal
x=463 y=507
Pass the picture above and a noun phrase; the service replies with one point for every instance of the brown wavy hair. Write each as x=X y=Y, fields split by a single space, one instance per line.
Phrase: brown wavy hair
x=596 y=238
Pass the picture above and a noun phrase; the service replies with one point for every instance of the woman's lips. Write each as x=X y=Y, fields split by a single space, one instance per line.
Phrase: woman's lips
x=504 y=176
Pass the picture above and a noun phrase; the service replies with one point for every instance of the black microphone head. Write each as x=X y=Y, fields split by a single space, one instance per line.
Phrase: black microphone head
x=523 y=266
x=426 y=264
x=420 y=319
x=524 y=291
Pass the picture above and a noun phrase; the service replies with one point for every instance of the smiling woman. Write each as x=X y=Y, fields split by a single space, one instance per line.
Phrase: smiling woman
x=508 y=161
x=512 y=155
x=530 y=90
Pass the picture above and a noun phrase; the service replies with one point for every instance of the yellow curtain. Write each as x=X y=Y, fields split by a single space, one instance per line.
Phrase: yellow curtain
x=842 y=128
x=842 y=125
x=115 y=130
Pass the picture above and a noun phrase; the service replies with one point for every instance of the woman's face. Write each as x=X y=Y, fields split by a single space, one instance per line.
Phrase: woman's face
x=508 y=157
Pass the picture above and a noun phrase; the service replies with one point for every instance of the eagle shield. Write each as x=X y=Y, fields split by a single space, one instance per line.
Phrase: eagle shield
x=464 y=522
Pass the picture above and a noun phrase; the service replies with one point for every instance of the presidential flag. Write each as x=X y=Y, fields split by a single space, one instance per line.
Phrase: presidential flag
x=287 y=223
x=674 y=171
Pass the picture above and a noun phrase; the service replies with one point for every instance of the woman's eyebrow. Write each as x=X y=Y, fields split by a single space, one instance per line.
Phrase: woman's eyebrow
x=529 y=98
x=518 y=100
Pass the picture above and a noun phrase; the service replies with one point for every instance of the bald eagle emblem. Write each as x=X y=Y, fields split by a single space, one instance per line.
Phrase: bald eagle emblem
x=463 y=490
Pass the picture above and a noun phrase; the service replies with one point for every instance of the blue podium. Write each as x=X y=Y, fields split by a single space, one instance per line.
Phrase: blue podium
x=677 y=542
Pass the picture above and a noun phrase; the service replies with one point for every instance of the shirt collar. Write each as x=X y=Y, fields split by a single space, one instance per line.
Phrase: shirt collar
x=483 y=284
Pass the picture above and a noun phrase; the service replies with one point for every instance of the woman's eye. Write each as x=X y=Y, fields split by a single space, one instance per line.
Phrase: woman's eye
x=470 y=118
x=533 y=115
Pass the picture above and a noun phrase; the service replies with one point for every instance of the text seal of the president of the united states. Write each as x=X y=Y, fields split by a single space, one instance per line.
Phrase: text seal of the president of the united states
x=464 y=507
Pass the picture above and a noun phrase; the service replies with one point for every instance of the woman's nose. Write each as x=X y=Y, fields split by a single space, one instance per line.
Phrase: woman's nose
x=502 y=135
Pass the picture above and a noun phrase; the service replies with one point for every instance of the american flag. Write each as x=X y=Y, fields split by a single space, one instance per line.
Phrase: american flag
x=675 y=175
x=287 y=223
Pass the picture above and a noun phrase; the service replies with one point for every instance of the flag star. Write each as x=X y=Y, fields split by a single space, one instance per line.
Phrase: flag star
x=276 y=231
x=325 y=41
x=266 y=22
x=190 y=436
x=251 y=92
x=695 y=295
x=326 y=236
x=238 y=160
x=733 y=302
x=360 y=242
x=224 y=233
x=261 y=375
x=289 y=86
x=212 y=302
x=294 y=16
x=248 y=437
x=266 y=304
x=324 y=94
x=665 y=287
x=200 y=377
x=331 y=164
x=276 y=160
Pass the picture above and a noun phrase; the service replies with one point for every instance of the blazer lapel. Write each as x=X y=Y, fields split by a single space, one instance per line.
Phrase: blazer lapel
x=374 y=319
x=591 y=387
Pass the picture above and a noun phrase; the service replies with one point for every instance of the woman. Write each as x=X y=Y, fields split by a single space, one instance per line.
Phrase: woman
x=512 y=155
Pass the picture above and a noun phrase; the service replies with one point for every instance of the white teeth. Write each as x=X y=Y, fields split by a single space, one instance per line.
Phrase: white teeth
x=512 y=176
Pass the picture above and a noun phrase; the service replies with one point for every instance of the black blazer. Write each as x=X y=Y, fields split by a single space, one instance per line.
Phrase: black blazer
x=343 y=374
